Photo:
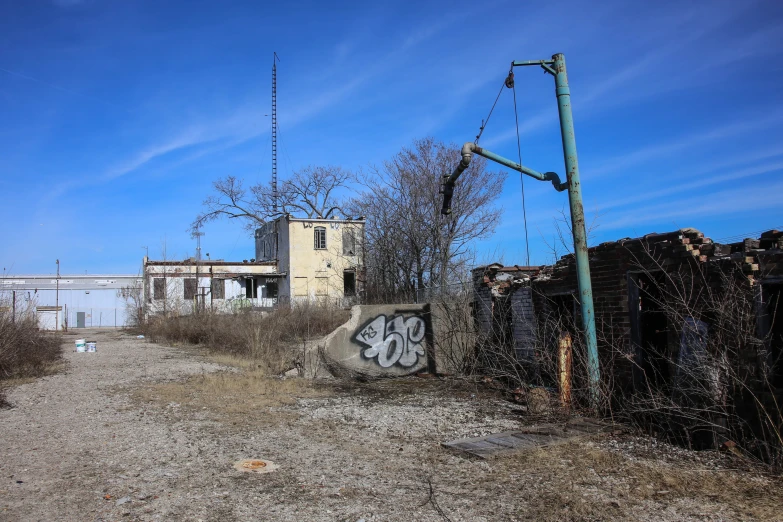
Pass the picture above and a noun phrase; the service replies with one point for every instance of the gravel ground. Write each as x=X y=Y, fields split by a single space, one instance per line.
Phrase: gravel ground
x=82 y=445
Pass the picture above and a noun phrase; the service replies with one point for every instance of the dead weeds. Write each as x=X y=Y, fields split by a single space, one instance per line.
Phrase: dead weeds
x=584 y=480
x=598 y=478
x=246 y=396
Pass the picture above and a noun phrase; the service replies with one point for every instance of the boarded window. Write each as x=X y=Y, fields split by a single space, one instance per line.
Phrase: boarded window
x=159 y=286
x=320 y=238
x=349 y=241
x=191 y=287
x=300 y=286
x=322 y=286
x=349 y=283
x=218 y=288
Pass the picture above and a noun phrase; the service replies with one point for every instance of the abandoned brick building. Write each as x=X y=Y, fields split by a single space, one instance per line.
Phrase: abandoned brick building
x=653 y=296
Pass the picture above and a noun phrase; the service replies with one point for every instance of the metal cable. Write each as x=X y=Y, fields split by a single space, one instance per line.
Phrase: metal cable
x=485 y=122
x=521 y=176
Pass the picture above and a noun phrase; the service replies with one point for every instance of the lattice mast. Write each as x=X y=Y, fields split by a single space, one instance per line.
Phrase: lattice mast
x=274 y=131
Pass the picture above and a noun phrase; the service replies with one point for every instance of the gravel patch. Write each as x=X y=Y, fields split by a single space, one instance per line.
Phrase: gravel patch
x=81 y=445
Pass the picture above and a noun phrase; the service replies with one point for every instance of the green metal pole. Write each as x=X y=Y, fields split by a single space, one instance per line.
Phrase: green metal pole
x=578 y=226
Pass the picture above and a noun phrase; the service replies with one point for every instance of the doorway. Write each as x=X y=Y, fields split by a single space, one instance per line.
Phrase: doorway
x=349 y=283
x=649 y=329
x=251 y=289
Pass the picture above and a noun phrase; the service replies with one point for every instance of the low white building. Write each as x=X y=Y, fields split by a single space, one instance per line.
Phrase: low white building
x=184 y=286
x=69 y=301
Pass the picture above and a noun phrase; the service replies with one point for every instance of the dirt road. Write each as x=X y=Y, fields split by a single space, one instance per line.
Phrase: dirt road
x=139 y=431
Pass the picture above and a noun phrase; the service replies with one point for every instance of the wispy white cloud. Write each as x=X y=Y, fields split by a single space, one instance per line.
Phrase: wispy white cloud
x=728 y=202
x=188 y=138
x=651 y=74
x=677 y=187
x=243 y=124
x=683 y=143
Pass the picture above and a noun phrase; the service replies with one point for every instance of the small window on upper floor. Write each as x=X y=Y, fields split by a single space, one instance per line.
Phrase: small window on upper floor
x=349 y=241
x=320 y=238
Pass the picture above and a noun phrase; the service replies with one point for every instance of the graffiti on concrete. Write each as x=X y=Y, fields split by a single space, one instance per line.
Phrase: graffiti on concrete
x=392 y=340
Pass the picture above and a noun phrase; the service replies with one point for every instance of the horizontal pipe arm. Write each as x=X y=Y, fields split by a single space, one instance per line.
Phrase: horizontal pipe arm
x=513 y=165
x=467 y=154
x=519 y=63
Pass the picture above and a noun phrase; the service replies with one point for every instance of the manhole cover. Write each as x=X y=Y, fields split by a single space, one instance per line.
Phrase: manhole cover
x=256 y=466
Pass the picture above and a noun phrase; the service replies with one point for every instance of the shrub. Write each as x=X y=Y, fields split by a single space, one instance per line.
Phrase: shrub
x=25 y=351
x=274 y=340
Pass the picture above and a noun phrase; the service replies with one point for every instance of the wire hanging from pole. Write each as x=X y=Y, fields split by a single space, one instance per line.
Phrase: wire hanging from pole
x=485 y=122
x=521 y=176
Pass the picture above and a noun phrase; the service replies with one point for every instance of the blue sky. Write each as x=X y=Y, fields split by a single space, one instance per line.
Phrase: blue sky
x=116 y=116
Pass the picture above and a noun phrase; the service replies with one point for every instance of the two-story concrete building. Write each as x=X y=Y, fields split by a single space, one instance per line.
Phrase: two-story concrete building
x=321 y=259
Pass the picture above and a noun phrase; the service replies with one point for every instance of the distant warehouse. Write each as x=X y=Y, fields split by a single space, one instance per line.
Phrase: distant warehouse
x=70 y=301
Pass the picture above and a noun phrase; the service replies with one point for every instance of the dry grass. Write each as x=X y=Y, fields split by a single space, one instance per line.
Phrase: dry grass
x=583 y=480
x=273 y=342
x=586 y=480
x=247 y=397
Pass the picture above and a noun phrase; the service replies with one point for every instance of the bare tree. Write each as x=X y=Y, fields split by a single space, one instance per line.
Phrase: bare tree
x=133 y=295
x=311 y=192
x=408 y=242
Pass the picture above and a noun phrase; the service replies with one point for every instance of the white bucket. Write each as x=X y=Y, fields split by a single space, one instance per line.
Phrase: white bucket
x=91 y=346
x=80 y=345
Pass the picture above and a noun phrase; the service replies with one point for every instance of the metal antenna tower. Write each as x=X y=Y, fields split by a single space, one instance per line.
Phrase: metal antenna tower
x=197 y=234
x=275 y=59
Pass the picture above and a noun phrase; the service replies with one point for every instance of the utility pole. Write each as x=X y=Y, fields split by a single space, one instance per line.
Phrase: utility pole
x=57 y=298
x=557 y=68
x=197 y=234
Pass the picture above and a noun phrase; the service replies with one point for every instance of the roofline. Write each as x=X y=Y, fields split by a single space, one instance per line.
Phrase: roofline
x=69 y=276
x=323 y=220
x=210 y=263
x=513 y=268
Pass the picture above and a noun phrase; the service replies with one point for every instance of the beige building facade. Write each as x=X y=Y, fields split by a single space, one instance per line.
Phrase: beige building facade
x=321 y=259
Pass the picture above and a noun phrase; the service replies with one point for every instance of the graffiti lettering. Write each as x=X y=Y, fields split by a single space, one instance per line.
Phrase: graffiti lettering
x=401 y=342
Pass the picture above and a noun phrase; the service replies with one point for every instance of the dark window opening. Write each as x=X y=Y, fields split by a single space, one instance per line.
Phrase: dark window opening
x=349 y=241
x=191 y=287
x=271 y=290
x=159 y=288
x=218 y=288
x=251 y=289
x=320 y=238
x=349 y=283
